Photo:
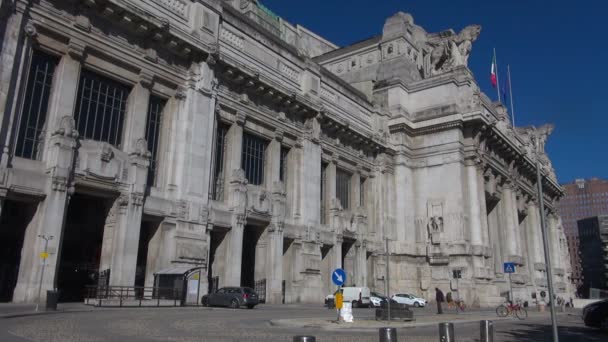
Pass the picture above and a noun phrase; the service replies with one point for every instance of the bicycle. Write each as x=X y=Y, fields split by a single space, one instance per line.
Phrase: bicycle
x=516 y=310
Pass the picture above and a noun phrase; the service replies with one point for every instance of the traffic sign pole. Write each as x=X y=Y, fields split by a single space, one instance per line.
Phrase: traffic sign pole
x=44 y=255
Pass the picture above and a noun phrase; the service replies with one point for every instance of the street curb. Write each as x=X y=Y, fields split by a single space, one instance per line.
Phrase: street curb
x=346 y=326
x=41 y=313
x=326 y=326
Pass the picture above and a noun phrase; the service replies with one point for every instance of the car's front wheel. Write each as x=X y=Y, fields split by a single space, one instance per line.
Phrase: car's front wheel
x=205 y=301
x=234 y=304
x=355 y=304
x=416 y=304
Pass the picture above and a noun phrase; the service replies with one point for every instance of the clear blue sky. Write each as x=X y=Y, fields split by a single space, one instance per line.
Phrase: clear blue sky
x=558 y=52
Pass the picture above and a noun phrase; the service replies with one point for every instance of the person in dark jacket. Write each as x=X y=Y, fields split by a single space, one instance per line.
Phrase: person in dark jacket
x=440 y=299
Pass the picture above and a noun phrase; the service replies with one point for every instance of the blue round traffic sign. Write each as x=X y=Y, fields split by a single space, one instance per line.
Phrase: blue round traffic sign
x=338 y=276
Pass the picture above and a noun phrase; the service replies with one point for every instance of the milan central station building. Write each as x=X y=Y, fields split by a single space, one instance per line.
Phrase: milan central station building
x=148 y=135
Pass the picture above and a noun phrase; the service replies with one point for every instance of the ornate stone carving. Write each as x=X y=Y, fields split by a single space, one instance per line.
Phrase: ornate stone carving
x=137 y=198
x=30 y=30
x=106 y=153
x=449 y=50
x=59 y=183
x=435 y=220
x=66 y=127
x=140 y=149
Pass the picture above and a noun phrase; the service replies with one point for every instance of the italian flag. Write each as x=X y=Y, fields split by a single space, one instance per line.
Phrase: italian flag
x=493 y=78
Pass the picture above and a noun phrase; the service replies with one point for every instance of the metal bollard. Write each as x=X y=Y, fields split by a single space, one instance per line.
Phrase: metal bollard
x=388 y=334
x=486 y=331
x=446 y=332
x=304 y=339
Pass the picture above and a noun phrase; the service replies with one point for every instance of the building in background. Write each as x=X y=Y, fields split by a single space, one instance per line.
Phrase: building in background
x=583 y=198
x=593 y=237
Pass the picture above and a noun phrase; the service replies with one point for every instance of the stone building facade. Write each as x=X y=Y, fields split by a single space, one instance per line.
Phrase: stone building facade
x=149 y=134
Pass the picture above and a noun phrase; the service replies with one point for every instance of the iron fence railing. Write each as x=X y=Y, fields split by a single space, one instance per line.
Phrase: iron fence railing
x=133 y=296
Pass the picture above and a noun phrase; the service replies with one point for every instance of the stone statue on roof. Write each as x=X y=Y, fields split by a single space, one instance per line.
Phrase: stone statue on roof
x=448 y=50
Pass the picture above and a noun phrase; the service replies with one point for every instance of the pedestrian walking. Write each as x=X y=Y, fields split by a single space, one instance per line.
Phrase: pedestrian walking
x=440 y=299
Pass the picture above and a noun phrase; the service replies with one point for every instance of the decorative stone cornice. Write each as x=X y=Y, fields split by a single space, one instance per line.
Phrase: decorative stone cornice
x=146 y=79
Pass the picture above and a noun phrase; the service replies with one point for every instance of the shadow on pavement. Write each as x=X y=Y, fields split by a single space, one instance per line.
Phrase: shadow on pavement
x=543 y=332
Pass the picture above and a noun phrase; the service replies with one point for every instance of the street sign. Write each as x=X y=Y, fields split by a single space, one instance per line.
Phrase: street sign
x=44 y=255
x=509 y=267
x=338 y=276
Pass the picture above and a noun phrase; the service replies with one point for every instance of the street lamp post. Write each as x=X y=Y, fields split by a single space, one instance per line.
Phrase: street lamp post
x=44 y=256
x=545 y=240
x=388 y=296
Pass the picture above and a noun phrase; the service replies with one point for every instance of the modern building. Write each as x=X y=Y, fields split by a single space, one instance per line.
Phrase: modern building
x=153 y=134
x=582 y=198
x=593 y=236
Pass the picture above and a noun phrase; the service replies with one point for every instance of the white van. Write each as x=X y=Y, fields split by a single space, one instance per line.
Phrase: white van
x=358 y=296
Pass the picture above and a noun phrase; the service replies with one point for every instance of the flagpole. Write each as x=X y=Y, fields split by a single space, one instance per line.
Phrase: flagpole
x=511 y=94
x=497 y=81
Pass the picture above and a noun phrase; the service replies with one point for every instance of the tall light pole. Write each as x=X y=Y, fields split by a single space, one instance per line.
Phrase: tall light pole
x=543 y=229
x=387 y=287
x=44 y=255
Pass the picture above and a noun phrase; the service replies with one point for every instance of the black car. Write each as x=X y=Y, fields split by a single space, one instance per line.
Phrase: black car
x=596 y=315
x=233 y=297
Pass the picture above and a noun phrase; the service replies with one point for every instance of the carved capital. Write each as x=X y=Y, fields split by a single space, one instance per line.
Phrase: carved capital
x=76 y=49
x=278 y=134
x=137 y=198
x=146 y=78
x=59 y=183
x=240 y=118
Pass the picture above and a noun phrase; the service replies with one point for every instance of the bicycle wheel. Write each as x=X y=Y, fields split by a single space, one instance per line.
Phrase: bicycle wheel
x=502 y=311
x=521 y=313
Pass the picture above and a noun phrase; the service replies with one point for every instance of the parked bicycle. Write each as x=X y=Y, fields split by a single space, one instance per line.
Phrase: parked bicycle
x=509 y=308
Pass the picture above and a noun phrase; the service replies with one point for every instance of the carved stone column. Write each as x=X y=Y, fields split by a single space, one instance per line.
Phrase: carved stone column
x=137 y=110
x=508 y=214
x=234 y=145
x=274 y=256
x=237 y=198
x=129 y=209
x=49 y=218
x=473 y=206
x=65 y=88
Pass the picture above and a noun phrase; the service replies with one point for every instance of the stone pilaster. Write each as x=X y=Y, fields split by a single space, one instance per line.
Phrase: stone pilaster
x=49 y=218
x=234 y=145
x=237 y=198
x=128 y=211
x=234 y=253
x=64 y=91
x=274 y=247
x=11 y=56
x=509 y=224
x=137 y=110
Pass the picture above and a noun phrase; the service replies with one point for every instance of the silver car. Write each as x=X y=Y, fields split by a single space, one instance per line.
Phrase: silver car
x=233 y=297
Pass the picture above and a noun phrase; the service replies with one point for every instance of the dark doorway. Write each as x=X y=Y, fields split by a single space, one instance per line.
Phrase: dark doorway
x=251 y=236
x=81 y=246
x=149 y=225
x=14 y=220
x=217 y=237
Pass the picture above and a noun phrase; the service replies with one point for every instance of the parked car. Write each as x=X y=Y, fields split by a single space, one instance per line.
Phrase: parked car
x=376 y=299
x=596 y=314
x=358 y=296
x=233 y=297
x=409 y=299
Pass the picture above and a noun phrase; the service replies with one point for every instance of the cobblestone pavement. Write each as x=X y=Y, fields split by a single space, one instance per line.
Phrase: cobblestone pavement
x=203 y=324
